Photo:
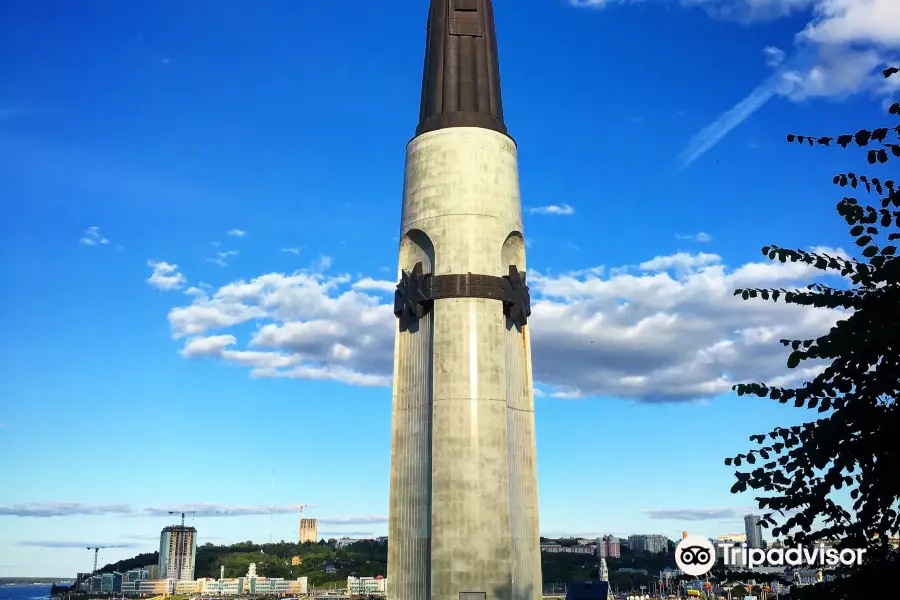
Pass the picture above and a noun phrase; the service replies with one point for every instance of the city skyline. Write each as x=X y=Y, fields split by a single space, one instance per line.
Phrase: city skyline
x=203 y=258
x=140 y=543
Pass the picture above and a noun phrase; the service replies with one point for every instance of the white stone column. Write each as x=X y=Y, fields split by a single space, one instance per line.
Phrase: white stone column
x=460 y=413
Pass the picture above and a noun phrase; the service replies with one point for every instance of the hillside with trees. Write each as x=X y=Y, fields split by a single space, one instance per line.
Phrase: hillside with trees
x=368 y=558
x=365 y=558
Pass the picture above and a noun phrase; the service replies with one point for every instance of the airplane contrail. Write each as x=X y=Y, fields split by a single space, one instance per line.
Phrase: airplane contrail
x=713 y=133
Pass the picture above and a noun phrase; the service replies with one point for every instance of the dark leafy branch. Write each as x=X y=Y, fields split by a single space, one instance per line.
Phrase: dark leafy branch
x=861 y=137
x=851 y=446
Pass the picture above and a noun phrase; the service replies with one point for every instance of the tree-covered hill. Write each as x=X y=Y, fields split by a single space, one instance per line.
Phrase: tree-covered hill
x=368 y=558
x=365 y=558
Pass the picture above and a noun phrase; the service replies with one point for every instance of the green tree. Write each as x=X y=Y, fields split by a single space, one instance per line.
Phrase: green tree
x=853 y=445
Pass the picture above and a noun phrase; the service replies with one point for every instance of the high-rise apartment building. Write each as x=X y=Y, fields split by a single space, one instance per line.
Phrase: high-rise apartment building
x=609 y=546
x=651 y=543
x=754 y=531
x=309 y=530
x=177 y=552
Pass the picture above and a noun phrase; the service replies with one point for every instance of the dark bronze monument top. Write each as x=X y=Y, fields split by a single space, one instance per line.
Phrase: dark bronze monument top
x=461 y=82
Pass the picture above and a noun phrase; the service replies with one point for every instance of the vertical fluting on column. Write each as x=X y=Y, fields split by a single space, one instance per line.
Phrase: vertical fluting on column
x=409 y=535
x=526 y=567
x=461 y=188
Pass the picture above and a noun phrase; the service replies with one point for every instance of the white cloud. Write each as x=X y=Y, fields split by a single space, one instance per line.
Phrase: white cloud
x=831 y=21
x=323 y=263
x=92 y=237
x=667 y=329
x=774 y=56
x=68 y=544
x=835 y=71
x=237 y=233
x=856 y=21
x=700 y=514
x=681 y=262
x=209 y=509
x=294 y=251
x=221 y=258
x=62 y=509
x=552 y=209
x=165 y=276
x=741 y=10
x=213 y=345
x=700 y=237
x=375 y=285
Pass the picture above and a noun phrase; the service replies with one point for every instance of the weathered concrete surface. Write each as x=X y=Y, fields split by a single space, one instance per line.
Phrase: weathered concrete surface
x=463 y=507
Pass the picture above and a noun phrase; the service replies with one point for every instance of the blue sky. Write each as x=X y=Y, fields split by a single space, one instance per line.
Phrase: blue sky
x=174 y=173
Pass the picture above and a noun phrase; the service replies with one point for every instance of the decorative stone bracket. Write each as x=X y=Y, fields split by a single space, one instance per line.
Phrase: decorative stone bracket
x=417 y=292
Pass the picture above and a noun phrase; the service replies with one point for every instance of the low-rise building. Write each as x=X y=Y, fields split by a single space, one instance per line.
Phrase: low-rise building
x=223 y=587
x=367 y=586
x=670 y=573
x=187 y=587
x=105 y=583
x=560 y=549
x=253 y=584
x=151 y=587
x=803 y=577
x=141 y=574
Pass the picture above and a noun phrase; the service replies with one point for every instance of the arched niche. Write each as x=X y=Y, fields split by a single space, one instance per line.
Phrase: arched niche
x=416 y=247
x=512 y=253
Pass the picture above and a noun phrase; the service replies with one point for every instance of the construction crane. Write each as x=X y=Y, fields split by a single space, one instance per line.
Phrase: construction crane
x=96 y=550
x=182 y=537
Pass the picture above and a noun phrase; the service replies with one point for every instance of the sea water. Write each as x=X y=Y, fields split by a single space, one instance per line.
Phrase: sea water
x=24 y=592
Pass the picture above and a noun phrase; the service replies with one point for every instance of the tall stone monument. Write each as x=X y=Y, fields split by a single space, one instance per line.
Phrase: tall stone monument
x=463 y=501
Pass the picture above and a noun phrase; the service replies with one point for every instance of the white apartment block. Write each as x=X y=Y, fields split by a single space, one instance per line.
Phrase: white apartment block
x=366 y=586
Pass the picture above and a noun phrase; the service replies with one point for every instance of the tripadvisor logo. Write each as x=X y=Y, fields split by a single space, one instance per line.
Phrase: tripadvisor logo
x=696 y=555
x=815 y=556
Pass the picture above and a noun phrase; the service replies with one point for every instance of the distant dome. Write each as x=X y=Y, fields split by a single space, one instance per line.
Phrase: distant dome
x=379 y=577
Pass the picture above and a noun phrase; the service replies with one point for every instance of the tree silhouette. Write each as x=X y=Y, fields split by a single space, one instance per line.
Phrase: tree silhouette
x=854 y=446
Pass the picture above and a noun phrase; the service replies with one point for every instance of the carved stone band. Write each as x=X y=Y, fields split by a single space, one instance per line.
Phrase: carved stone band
x=417 y=292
